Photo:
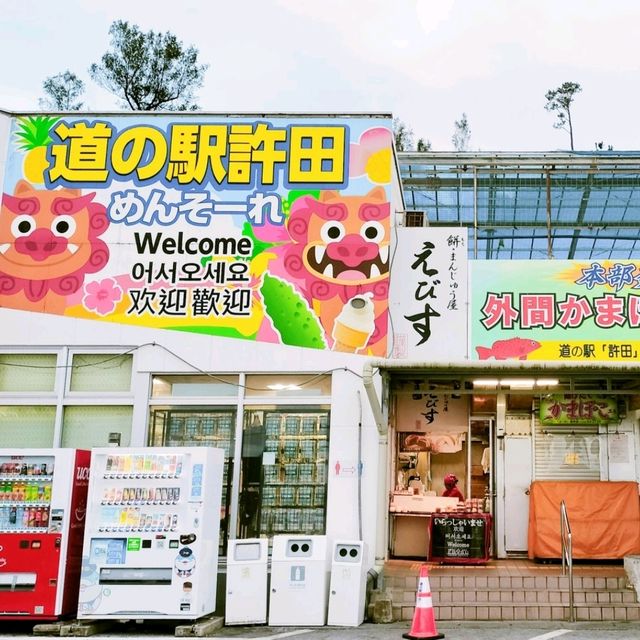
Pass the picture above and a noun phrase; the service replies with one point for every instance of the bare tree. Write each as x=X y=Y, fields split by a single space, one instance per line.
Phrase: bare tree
x=461 y=134
x=560 y=100
x=63 y=91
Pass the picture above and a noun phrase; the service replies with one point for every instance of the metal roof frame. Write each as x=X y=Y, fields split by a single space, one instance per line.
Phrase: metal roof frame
x=587 y=205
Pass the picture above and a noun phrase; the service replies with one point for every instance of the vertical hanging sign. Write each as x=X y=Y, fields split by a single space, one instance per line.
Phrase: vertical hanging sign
x=428 y=294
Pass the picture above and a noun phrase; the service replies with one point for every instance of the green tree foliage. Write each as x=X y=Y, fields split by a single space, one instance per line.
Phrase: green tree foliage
x=461 y=134
x=403 y=138
x=149 y=71
x=402 y=135
x=559 y=100
x=63 y=91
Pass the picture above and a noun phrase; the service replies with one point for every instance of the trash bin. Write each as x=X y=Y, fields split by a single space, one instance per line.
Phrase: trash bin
x=246 y=595
x=348 y=585
x=299 y=581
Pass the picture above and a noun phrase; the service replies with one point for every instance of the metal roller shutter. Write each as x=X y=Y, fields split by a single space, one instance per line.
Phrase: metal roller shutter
x=566 y=452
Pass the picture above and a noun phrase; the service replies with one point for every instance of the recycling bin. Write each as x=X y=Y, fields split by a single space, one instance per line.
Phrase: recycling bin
x=299 y=581
x=348 y=584
x=246 y=594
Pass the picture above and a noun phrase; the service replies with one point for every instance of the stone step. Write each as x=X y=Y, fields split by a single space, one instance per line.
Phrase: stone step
x=543 y=597
x=509 y=582
x=523 y=611
x=531 y=597
x=526 y=612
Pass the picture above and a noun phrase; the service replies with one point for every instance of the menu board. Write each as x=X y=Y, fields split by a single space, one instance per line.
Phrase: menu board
x=460 y=539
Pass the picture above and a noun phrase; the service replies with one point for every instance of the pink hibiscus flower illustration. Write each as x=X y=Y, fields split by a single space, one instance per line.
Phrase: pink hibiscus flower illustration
x=102 y=296
x=371 y=155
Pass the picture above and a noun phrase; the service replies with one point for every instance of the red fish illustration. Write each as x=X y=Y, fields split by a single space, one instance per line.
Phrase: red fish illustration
x=518 y=348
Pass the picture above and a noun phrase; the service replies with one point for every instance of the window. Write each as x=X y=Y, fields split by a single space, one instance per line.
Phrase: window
x=85 y=426
x=284 y=451
x=24 y=372
x=288 y=386
x=22 y=426
x=101 y=372
x=193 y=386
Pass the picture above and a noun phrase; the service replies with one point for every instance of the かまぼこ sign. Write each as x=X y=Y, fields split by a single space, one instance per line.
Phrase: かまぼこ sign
x=577 y=409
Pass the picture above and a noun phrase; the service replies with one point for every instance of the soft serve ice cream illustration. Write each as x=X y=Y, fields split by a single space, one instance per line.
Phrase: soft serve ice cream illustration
x=355 y=324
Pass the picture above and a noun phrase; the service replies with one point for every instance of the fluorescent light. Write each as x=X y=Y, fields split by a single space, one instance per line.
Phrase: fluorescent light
x=547 y=382
x=518 y=383
x=283 y=387
x=485 y=382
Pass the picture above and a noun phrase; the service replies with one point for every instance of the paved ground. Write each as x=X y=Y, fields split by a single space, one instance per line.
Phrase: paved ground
x=452 y=631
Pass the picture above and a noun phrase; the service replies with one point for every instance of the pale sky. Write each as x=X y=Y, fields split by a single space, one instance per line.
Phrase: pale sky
x=426 y=61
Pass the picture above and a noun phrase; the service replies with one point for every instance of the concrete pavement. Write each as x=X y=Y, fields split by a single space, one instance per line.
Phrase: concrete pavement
x=453 y=631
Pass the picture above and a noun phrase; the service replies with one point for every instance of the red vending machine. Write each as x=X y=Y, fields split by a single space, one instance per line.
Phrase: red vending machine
x=43 y=501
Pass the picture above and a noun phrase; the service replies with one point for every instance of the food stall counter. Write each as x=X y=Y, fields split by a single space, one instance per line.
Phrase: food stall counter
x=411 y=516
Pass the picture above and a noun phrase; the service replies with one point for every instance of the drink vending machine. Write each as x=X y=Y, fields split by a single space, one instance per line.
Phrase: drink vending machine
x=151 y=537
x=43 y=498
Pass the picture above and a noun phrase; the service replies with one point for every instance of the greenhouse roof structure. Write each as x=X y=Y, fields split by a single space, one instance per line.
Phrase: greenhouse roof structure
x=561 y=205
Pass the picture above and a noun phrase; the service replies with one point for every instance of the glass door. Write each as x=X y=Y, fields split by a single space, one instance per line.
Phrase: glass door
x=184 y=427
x=283 y=484
x=480 y=461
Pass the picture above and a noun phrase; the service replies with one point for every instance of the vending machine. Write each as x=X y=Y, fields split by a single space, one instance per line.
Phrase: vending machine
x=43 y=499
x=151 y=537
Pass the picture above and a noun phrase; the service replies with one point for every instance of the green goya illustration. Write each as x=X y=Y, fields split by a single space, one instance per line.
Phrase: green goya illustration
x=290 y=315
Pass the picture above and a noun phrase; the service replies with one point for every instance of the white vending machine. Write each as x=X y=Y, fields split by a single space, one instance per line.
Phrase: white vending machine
x=151 y=537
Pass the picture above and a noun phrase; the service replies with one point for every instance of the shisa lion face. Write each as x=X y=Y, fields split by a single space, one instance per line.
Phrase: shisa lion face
x=49 y=241
x=339 y=241
x=340 y=249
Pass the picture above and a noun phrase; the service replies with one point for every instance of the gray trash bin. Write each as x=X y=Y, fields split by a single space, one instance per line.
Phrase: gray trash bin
x=348 y=585
x=246 y=594
x=299 y=581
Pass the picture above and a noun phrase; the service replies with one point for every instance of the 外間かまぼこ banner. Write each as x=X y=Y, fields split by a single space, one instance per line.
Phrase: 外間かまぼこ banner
x=268 y=229
x=560 y=310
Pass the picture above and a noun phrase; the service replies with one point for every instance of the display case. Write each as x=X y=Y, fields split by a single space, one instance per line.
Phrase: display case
x=294 y=482
x=151 y=539
x=43 y=495
x=25 y=493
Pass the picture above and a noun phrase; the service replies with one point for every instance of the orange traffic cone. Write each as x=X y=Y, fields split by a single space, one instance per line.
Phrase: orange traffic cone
x=424 y=622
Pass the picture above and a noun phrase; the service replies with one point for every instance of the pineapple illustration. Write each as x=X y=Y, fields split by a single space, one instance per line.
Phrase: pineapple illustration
x=33 y=138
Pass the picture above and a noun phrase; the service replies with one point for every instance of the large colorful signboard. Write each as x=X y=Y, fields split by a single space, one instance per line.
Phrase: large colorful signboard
x=555 y=310
x=266 y=229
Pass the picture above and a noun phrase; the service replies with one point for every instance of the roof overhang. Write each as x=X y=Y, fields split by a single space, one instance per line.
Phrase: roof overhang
x=510 y=366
